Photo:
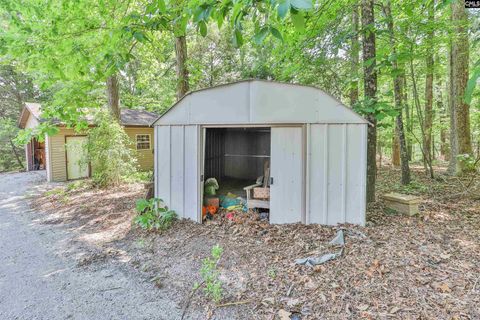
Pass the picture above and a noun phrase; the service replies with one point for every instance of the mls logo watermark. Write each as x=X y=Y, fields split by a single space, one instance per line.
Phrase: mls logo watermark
x=472 y=4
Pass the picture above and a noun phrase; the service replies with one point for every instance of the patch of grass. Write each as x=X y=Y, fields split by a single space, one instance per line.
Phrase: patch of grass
x=413 y=187
x=140 y=177
x=55 y=192
x=76 y=185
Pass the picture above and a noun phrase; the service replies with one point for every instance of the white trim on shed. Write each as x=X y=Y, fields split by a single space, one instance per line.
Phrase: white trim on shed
x=318 y=148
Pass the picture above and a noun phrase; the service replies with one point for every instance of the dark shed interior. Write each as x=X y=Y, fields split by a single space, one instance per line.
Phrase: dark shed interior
x=236 y=156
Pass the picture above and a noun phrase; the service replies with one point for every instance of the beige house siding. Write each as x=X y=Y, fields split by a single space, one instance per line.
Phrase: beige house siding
x=55 y=147
x=144 y=157
x=57 y=154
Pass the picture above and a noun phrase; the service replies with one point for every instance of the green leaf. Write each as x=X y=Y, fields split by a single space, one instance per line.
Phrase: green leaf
x=302 y=4
x=282 y=8
x=298 y=21
x=276 y=33
x=260 y=35
x=237 y=38
x=141 y=205
x=151 y=8
x=471 y=84
x=203 y=28
x=139 y=36
x=161 y=6
x=180 y=26
x=442 y=4
x=220 y=19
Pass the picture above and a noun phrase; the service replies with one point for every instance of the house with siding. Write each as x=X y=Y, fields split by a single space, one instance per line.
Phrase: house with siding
x=59 y=154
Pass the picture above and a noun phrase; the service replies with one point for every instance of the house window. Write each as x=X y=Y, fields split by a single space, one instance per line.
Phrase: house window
x=143 y=141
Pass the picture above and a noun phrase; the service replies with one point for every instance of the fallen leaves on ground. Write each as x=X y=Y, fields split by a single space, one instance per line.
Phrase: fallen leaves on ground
x=396 y=267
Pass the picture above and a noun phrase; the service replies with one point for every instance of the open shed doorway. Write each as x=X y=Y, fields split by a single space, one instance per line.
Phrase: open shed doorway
x=239 y=159
x=36 y=155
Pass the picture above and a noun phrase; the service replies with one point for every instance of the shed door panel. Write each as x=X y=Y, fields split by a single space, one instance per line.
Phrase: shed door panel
x=162 y=158
x=176 y=170
x=286 y=192
x=76 y=167
x=192 y=176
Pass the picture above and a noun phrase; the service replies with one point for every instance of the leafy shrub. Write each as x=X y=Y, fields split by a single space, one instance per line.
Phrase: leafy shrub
x=11 y=156
x=467 y=162
x=109 y=153
x=210 y=275
x=153 y=214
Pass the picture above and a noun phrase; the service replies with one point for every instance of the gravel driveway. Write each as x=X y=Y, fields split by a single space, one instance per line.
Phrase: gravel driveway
x=41 y=279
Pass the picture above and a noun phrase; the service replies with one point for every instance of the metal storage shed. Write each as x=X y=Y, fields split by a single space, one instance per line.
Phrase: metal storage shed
x=316 y=148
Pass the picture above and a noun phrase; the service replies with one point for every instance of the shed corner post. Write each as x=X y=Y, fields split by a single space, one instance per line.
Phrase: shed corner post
x=201 y=132
x=306 y=174
x=155 y=160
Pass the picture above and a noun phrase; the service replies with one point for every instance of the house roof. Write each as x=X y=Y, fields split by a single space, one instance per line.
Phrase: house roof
x=132 y=117
x=30 y=108
x=259 y=102
x=128 y=117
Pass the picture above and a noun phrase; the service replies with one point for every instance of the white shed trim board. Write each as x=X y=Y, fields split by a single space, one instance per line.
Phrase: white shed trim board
x=330 y=170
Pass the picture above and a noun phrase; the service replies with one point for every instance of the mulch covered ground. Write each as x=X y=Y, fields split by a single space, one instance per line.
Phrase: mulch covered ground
x=397 y=267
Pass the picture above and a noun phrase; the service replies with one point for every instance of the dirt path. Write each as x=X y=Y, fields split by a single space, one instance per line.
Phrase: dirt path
x=40 y=277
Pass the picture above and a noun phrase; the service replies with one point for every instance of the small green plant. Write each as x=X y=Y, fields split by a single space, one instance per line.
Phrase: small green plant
x=272 y=273
x=153 y=214
x=467 y=162
x=210 y=275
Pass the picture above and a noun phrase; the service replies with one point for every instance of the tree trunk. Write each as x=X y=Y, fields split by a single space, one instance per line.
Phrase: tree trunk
x=428 y=112
x=427 y=161
x=113 y=96
x=398 y=95
x=443 y=119
x=460 y=53
x=17 y=156
x=380 y=154
x=444 y=154
x=408 y=118
x=181 y=68
x=370 y=91
x=451 y=108
x=395 y=148
x=354 y=57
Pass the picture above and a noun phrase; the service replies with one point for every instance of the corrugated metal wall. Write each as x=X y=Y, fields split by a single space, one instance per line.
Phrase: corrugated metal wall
x=334 y=181
x=215 y=154
x=177 y=169
x=336 y=173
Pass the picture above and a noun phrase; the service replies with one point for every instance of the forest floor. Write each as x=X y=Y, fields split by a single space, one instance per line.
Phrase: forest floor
x=396 y=266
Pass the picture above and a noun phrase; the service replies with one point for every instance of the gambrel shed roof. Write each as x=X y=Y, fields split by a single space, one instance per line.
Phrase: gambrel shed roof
x=259 y=102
